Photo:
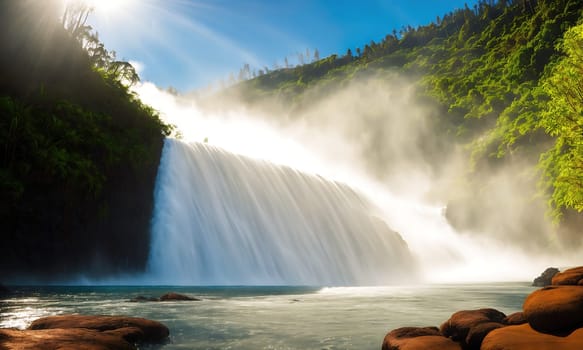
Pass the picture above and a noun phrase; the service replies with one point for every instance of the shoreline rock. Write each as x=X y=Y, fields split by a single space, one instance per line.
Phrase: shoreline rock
x=545 y=278
x=552 y=318
x=85 y=332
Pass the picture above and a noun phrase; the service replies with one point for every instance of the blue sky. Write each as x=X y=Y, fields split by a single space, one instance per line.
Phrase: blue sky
x=189 y=44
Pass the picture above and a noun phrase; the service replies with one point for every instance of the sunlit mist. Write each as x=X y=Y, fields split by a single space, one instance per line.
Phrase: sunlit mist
x=334 y=139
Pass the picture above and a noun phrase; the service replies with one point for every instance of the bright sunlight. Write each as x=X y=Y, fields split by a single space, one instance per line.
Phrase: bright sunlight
x=106 y=7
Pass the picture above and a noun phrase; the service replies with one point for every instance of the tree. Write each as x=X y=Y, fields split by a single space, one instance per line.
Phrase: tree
x=301 y=59
x=316 y=55
x=563 y=119
x=75 y=17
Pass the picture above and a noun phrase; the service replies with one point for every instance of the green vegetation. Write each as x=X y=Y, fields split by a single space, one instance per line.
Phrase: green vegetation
x=508 y=75
x=71 y=134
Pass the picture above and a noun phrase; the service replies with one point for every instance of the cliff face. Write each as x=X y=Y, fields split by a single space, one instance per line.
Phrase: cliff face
x=79 y=155
x=46 y=238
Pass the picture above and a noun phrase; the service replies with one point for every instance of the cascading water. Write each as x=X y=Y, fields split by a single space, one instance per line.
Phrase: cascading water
x=225 y=219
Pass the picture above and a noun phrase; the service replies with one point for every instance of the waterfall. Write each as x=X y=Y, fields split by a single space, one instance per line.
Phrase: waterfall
x=225 y=219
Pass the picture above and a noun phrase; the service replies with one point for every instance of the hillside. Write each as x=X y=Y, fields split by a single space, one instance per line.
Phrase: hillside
x=79 y=154
x=505 y=78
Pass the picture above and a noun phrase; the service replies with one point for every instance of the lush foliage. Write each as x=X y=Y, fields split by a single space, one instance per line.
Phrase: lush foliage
x=562 y=118
x=508 y=82
x=71 y=135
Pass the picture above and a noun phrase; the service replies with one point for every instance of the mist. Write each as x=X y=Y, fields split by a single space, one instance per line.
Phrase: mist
x=377 y=135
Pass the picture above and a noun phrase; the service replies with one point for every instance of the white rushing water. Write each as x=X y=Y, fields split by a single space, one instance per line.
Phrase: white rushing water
x=225 y=219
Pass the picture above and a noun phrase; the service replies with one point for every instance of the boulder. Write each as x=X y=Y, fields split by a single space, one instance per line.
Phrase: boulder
x=515 y=319
x=62 y=339
x=478 y=332
x=418 y=338
x=460 y=323
x=151 y=331
x=545 y=279
x=572 y=277
x=177 y=297
x=555 y=309
x=523 y=337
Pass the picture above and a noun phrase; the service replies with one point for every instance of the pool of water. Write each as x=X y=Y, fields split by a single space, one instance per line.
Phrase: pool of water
x=269 y=317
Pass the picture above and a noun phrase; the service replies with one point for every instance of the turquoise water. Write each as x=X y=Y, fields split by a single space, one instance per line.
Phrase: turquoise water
x=269 y=317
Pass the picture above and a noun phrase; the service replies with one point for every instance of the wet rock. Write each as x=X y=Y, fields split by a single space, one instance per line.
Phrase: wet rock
x=515 y=319
x=460 y=323
x=572 y=277
x=555 y=309
x=478 y=332
x=177 y=297
x=62 y=339
x=151 y=331
x=545 y=279
x=523 y=337
x=418 y=338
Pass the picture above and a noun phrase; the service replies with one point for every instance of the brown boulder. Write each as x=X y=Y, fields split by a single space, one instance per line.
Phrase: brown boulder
x=478 y=332
x=569 y=277
x=177 y=297
x=62 y=339
x=152 y=331
x=555 y=309
x=515 y=319
x=523 y=337
x=418 y=338
x=545 y=279
x=459 y=324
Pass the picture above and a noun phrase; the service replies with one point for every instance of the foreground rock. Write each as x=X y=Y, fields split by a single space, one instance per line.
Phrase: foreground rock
x=149 y=331
x=63 y=339
x=469 y=327
x=546 y=278
x=552 y=318
x=411 y=338
x=555 y=309
x=523 y=337
x=68 y=332
x=571 y=277
x=515 y=319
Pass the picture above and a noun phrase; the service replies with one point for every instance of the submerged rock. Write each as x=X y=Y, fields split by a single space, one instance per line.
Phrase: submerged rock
x=418 y=338
x=571 y=277
x=84 y=332
x=177 y=297
x=545 y=279
x=172 y=296
x=555 y=309
x=141 y=299
x=523 y=337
